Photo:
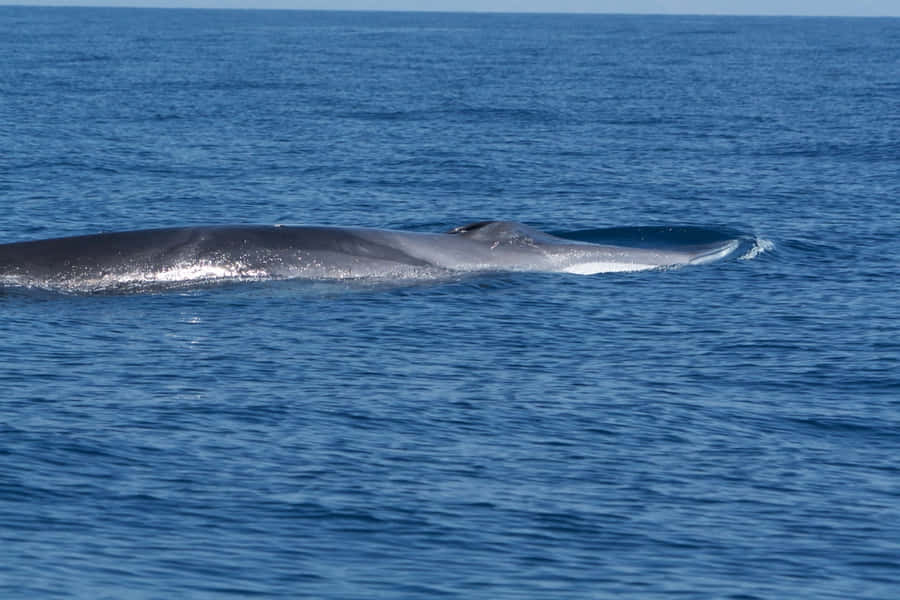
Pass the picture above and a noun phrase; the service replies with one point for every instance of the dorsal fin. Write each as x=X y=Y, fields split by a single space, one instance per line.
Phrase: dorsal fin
x=471 y=227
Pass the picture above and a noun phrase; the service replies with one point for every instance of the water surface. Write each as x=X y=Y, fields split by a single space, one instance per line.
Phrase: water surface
x=722 y=430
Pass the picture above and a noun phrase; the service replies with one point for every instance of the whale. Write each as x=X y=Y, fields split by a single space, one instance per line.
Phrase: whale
x=203 y=254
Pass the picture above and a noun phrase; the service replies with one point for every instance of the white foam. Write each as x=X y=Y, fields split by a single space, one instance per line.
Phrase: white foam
x=201 y=271
x=759 y=246
x=593 y=268
x=185 y=273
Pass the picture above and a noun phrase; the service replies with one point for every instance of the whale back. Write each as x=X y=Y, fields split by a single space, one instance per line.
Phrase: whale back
x=506 y=232
x=144 y=258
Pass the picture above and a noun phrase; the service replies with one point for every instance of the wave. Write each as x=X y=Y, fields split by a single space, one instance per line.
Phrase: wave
x=759 y=246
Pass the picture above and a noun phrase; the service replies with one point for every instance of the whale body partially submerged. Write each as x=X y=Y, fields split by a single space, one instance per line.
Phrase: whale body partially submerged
x=187 y=255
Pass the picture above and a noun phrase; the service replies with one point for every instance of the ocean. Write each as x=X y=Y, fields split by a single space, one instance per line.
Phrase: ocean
x=724 y=430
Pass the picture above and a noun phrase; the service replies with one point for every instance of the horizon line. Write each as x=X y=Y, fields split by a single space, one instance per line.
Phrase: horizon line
x=152 y=6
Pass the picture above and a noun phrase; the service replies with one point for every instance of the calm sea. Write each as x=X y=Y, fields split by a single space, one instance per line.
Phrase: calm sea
x=729 y=430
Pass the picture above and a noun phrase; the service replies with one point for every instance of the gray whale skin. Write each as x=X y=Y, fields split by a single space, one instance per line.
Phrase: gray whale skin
x=197 y=254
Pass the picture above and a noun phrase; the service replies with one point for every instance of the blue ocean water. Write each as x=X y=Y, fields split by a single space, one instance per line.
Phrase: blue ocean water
x=727 y=430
